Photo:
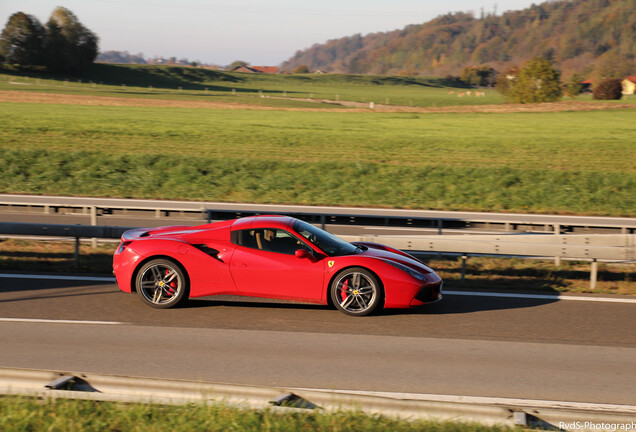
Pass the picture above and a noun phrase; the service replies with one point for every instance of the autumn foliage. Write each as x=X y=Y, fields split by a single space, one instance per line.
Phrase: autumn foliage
x=608 y=89
x=576 y=35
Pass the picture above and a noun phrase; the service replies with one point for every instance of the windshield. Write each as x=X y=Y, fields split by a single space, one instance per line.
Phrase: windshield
x=328 y=243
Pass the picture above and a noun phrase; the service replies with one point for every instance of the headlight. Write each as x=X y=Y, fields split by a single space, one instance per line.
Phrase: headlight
x=417 y=275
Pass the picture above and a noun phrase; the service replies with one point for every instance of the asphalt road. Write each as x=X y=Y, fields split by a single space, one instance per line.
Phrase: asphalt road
x=580 y=351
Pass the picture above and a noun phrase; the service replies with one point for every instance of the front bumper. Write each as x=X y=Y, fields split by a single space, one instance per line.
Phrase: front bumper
x=429 y=293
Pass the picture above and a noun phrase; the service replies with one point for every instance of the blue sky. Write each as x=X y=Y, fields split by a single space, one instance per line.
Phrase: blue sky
x=258 y=32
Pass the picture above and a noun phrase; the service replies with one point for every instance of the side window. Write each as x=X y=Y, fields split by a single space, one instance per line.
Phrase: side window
x=244 y=238
x=268 y=239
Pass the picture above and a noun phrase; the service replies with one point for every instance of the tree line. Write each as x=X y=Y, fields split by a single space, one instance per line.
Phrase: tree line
x=594 y=38
x=62 y=45
x=537 y=81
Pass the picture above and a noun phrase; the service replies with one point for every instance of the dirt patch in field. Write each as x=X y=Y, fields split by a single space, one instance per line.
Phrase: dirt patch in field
x=29 y=97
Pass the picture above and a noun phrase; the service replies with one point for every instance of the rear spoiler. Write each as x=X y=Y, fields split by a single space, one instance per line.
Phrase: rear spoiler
x=137 y=233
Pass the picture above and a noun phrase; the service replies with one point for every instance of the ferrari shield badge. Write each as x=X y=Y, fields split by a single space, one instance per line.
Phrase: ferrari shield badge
x=330 y=263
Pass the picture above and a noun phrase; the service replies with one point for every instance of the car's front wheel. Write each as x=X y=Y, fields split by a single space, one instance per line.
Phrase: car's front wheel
x=161 y=283
x=356 y=291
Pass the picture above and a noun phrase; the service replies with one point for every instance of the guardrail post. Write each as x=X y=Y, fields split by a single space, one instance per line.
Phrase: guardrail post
x=557 y=231
x=323 y=220
x=440 y=223
x=77 y=251
x=463 y=272
x=593 y=274
x=94 y=223
x=209 y=212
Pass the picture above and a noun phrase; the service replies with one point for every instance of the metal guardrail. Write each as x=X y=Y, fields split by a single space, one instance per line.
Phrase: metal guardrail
x=509 y=223
x=491 y=411
x=592 y=247
x=613 y=247
x=607 y=247
x=324 y=219
x=59 y=230
x=94 y=207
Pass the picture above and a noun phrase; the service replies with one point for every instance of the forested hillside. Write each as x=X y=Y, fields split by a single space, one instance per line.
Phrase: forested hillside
x=594 y=37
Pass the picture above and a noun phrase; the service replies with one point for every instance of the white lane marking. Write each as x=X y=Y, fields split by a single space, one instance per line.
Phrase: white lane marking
x=541 y=296
x=53 y=321
x=58 y=277
x=589 y=406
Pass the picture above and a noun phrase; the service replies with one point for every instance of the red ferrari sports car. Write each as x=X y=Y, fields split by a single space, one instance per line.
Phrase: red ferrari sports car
x=273 y=257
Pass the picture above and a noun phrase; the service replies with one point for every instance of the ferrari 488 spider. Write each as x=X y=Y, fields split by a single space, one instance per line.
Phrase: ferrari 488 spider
x=269 y=256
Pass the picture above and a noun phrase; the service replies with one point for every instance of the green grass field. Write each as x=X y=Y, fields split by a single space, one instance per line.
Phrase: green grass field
x=186 y=83
x=569 y=162
x=19 y=414
x=202 y=84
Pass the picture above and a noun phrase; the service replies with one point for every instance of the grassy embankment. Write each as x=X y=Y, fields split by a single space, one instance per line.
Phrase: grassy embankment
x=18 y=414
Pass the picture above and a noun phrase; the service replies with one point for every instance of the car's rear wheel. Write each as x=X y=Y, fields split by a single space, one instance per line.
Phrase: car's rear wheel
x=161 y=283
x=356 y=291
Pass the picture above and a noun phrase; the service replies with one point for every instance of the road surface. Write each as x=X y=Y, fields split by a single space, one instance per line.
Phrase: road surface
x=583 y=351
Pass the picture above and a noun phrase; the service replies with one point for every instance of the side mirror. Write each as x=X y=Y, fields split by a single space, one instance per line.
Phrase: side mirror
x=303 y=253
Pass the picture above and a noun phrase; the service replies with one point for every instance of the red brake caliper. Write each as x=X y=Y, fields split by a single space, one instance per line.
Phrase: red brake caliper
x=172 y=285
x=345 y=287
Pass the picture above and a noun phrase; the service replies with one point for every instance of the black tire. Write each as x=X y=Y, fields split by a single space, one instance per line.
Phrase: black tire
x=162 y=284
x=356 y=291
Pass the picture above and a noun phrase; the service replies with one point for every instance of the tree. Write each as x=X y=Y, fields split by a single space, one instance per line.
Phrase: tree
x=506 y=81
x=574 y=86
x=482 y=75
x=538 y=81
x=71 y=47
x=22 y=40
x=237 y=63
x=613 y=66
x=56 y=48
x=608 y=90
x=469 y=75
x=302 y=69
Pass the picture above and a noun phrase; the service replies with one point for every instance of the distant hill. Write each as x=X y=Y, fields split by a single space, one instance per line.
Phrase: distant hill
x=120 y=57
x=594 y=37
x=124 y=57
